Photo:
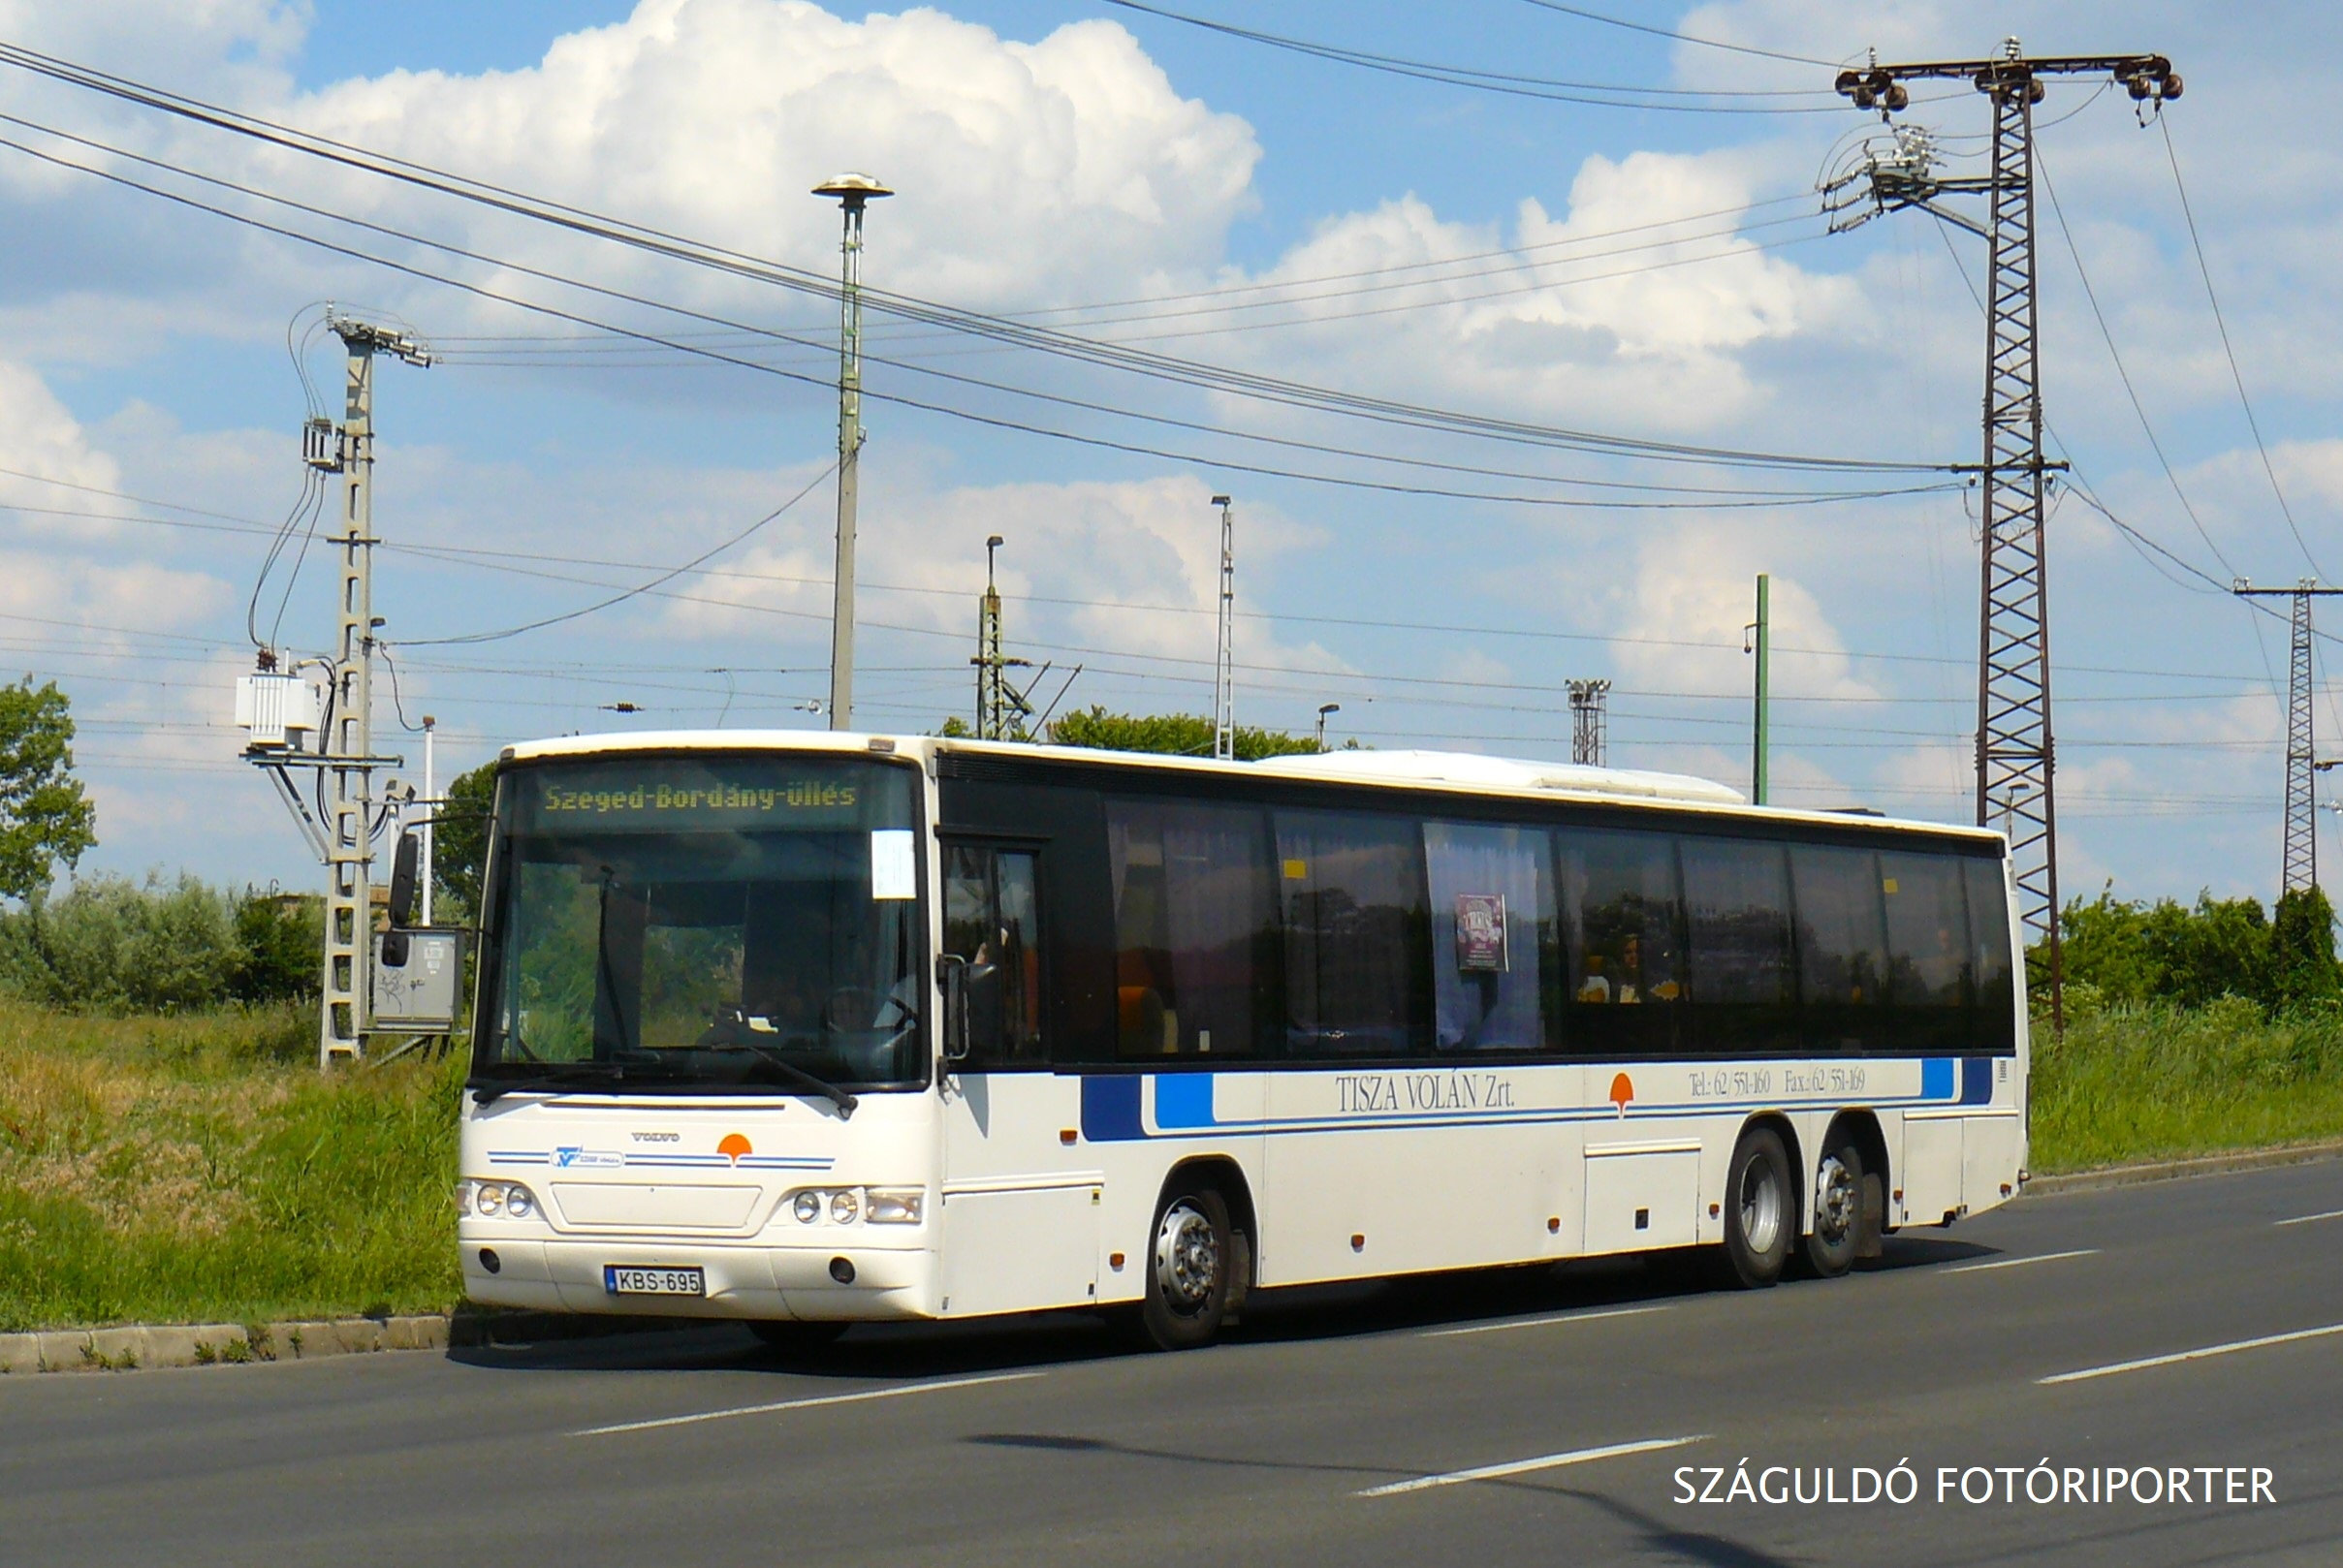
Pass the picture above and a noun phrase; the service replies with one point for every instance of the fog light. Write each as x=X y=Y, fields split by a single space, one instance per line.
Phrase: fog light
x=895 y=1206
x=843 y=1207
x=490 y=1261
x=807 y=1208
x=488 y=1202
x=841 y=1270
x=517 y=1203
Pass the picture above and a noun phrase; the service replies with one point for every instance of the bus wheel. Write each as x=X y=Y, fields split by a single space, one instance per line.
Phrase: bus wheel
x=1838 y=1212
x=795 y=1336
x=1187 y=1270
x=1760 y=1222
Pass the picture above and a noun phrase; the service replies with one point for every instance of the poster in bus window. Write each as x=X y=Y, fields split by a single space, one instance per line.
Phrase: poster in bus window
x=1480 y=933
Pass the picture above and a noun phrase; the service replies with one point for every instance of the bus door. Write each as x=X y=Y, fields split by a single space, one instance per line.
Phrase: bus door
x=1020 y=1215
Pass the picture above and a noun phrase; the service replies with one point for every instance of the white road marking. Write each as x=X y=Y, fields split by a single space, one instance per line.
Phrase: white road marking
x=895 y=1393
x=2192 y=1355
x=1547 y=1461
x=2306 y=1219
x=1540 y=1323
x=2019 y=1262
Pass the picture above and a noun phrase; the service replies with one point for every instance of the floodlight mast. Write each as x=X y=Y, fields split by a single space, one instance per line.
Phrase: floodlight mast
x=853 y=192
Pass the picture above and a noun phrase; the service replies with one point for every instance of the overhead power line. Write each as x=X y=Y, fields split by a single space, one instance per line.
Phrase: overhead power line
x=1584 y=14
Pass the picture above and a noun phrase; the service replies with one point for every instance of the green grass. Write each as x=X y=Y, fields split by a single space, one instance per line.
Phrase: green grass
x=2159 y=1081
x=197 y=1169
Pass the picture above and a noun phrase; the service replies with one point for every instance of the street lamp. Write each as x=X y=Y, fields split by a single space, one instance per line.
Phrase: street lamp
x=1325 y=709
x=853 y=192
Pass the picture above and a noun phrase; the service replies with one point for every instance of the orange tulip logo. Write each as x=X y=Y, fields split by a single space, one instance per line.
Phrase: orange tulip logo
x=1623 y=1089
x=734 y=1146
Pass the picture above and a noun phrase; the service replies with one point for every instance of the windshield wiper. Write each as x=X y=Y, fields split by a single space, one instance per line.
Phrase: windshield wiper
x=541 y=1075
x=730 y=1030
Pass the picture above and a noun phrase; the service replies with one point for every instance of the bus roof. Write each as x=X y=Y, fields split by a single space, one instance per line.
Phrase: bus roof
x=1462 y=773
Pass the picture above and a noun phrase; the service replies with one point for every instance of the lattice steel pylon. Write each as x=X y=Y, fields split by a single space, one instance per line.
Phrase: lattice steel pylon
x=2016 y=758
x=2298 y=853
x=1588 y=721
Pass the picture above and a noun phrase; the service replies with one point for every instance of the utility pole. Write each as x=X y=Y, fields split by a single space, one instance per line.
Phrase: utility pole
x=1000 y=706
x=278 y=707
x=853 y=192
x=2298 y=856
x=1588 y=740
x=431 y=795
x=1760 y=643
x=2014 y=755
x=1224 y=664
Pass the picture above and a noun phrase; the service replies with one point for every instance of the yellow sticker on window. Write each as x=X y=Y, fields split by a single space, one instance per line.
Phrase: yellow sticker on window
x=1297 y=870
x=1891 y=883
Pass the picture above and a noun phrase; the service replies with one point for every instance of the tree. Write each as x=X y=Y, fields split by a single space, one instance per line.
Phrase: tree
x=45 y=818
x=459 y=842
x=1175 y=735
x=2302 y=947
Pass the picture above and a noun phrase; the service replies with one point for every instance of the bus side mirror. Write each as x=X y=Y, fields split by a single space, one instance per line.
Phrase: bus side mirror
x=952 y=977
x=404 y=866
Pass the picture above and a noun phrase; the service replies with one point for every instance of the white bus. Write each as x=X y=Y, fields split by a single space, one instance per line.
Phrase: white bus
x=805 y=1031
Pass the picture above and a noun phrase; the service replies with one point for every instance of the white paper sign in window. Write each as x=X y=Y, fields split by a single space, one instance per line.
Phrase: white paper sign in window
x=893 y=873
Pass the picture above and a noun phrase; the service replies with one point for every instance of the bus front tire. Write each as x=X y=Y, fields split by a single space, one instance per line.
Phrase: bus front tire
x=1187 y=1270
x=1837 y=1235
x=1759 y=1216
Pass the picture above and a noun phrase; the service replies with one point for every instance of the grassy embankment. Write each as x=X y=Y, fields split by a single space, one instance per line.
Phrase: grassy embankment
x=196 y=1169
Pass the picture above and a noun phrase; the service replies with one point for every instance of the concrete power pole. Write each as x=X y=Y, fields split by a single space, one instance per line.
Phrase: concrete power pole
x=1762 y=643
x=2298 y=856
x=347 y=757
x=853 y=192
x=1225 y=663
x=2014 y=756
x=1588 y=740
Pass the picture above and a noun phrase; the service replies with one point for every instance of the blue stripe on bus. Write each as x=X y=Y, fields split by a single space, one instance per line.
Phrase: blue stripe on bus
x=1111 y=1106
x=1977 y=1080
x=1110 y=1109
x=1184 y=1101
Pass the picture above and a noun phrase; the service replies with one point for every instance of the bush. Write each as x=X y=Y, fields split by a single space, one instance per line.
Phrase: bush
x=113 y=945
x=2123 y=955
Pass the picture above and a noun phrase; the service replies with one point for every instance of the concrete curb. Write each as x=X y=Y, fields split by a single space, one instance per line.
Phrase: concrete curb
x=205 y=1344
x=2128 y=1176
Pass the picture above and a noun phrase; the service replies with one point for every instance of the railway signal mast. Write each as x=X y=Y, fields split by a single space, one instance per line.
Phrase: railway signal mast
x=2014 y=755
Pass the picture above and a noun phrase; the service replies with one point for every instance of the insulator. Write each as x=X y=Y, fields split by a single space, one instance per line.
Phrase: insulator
x=1845 y=83
x=1862 y=97
x=2036 y=92
x=2171 y=87
x=1897 y=97
x=2139 y=87
x=1879 y=81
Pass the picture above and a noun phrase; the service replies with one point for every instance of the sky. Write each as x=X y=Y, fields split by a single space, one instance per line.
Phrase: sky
x=1648 y=264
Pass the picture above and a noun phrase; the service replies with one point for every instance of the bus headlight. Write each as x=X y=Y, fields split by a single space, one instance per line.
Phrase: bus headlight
x=518 y=1202
x=463 y=1196
x=843 y=1207
x=488 y=1200
x=494 y=1199
x=895 y=1206
x=807 y=1208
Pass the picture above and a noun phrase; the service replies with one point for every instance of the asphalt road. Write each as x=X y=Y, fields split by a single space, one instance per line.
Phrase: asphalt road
x=1463 y=1420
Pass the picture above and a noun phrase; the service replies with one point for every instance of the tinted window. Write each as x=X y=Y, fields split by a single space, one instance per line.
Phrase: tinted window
x=1989 y=939
x=1357 y=934
x=1624 y=964
x=1196 y=927
x=1492 y=929
x=1736 y=902
x=1842 y=945
x=1928 y=957
x=992 y=919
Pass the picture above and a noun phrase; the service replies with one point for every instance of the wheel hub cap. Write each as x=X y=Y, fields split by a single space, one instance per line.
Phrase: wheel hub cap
x=1760 y=1207
x=1834 y=1199
x=1188 y=1257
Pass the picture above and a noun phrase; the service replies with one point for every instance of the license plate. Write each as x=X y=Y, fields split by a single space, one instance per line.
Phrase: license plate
x=623 y=1279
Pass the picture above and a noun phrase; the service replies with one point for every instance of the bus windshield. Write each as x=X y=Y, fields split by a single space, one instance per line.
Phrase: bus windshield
x=695 y=923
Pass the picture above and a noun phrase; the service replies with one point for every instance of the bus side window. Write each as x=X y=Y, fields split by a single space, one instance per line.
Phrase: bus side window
x=1623 y=982
x=1195 y=924
x=1989 y=939
x=1737 y=903
x=992 y=919
x=1358 y=934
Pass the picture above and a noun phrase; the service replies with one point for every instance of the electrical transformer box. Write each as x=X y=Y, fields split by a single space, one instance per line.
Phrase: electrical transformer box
x=425 y=994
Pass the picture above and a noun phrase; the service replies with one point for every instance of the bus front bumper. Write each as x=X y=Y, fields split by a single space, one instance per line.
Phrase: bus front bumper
x=743 y=1281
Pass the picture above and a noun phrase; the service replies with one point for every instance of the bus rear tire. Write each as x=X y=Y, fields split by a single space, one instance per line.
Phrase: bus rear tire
x=1837 y=1237
x=1760 y=1214
x=795 y=1336
x=1187 y=1270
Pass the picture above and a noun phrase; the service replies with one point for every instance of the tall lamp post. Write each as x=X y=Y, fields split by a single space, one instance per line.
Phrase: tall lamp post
x=1325 y=709
x=853 y=193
